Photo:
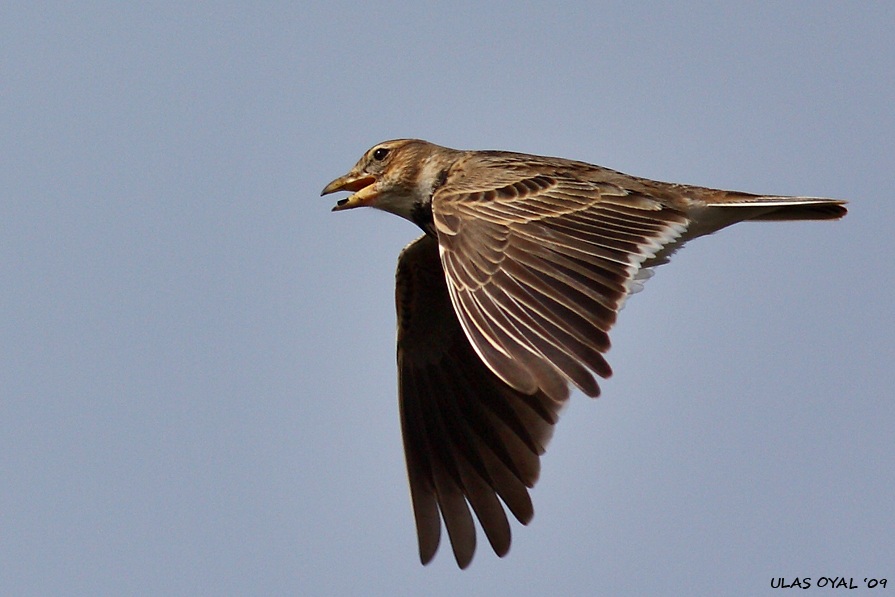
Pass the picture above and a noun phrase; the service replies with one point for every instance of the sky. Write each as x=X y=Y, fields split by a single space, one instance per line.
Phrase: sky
x=198 y=387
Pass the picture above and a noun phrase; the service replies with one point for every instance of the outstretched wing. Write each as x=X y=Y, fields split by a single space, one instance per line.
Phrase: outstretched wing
x=469 y=438
x=538 y=263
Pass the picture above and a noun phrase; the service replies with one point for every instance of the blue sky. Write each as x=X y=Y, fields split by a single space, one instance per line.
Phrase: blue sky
x=198 y=384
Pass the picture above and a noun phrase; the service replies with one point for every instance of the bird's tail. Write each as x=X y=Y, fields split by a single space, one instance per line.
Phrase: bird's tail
x=781 y=209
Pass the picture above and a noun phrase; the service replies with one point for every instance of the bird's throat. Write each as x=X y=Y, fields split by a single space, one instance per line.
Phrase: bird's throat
x=421 y=215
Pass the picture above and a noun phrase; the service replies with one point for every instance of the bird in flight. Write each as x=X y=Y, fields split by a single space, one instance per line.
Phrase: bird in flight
x=507 y=300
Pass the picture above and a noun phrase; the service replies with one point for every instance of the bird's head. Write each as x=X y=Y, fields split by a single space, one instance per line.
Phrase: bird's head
x=392 y=176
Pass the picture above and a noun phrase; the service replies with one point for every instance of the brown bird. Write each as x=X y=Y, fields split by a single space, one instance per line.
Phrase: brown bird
x=508 y=298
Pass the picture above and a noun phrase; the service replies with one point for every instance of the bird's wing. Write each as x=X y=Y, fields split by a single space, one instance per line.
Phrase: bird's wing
x=538 y=262
x=468 y=436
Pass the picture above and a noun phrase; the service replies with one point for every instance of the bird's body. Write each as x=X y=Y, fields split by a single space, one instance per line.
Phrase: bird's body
x=508 y=298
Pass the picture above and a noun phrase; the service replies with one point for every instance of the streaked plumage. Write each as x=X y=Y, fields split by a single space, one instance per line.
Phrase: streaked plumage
x=508 y=298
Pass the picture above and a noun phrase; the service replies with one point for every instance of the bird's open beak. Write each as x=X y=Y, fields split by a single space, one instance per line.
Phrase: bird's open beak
x=362 y=186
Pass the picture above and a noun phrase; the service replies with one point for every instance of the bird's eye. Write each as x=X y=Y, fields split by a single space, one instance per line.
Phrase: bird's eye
x=380 y=154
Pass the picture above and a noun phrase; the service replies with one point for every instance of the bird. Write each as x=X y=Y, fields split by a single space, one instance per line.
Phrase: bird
x=506 y=302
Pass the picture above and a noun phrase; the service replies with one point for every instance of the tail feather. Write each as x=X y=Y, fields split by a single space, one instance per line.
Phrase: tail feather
x=781 y=209
x=723 y=208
